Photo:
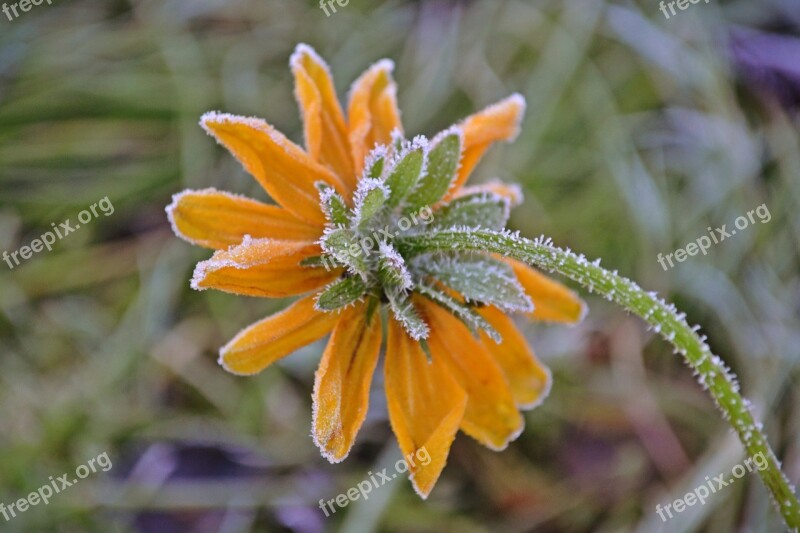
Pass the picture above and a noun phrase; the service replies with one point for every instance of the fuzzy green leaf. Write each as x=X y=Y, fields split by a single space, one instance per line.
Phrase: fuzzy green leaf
x=333 y=205
x=376 y=166
x=470 y=318
x=405 y=313
x=392 y=269
x=340 y=293
x=404 y=176
x=442 y=164
x=342 y=244
x=369 y=204
x=483 y=210
x=323 y=261
x=478 y=278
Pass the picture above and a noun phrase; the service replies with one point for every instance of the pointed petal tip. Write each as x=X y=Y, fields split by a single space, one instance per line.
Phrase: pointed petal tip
x=173 y=206
x=384 y=64
x=548 y=385
x=209 y=117
x=519 y=100
x=329 y=455
x=212 y=118
x=221 y=362
x=584 y=311
x=509 y=439
x=422 y=492
x=224 y=364
x=305 y=50
x=198 y=275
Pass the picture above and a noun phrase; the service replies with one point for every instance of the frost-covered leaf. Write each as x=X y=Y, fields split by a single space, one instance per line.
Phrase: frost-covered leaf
x=343 y=245
x=392 y=269
x=370 y=198
x=470 y=318
x=407 y=315
x=376 y=162
x=485 y=210
x=406 y=172
x=478 y=278
x=443 y=160
x=340 y=293
x=327 y=262
x=398 y=140
x=333 y=205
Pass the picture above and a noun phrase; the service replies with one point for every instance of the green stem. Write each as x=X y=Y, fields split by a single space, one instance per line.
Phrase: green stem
x=711 y=372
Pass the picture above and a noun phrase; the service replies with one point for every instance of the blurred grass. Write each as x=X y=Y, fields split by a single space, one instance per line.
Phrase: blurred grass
x=640 y=133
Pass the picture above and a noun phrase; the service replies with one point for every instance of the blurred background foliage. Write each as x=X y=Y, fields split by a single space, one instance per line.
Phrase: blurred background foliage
x=640 y=133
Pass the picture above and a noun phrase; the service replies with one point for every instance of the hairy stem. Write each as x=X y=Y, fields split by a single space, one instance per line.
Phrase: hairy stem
x=711 y=372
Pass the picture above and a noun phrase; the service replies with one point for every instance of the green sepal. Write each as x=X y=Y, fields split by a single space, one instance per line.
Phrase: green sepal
x=404 y=175
x=405 y=313
x=342 y=244
x=470 y=318
x=479 y=278
x=443 y=160
x=484 y=210
x=370 y=200
x=333 y=205
x=340 y=293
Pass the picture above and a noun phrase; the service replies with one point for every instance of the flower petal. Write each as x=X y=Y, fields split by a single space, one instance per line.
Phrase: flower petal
x=529 y=379
x=372 y=111
x=498 y=122
x=341 y=387
x=286 y=172
x=218 y=220
x=263 y=267
x=491 y=416
x=510 y=191
x=259 y=345
x=552 y=301
x=426 y=406
x=323 y=120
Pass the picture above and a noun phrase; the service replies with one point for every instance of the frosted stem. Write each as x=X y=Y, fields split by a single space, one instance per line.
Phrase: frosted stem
x=711 y=372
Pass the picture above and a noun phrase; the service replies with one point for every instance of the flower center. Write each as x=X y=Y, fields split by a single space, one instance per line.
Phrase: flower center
x=400 y=195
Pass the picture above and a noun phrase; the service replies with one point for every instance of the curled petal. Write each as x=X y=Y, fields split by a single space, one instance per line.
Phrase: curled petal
x=218 y=220
x=323 y=120
x=264 y=342
x=491 y=416
x=285 y=171
x=341 y=387
x=498 y=122
x=529 y=379
x=553 y=302
x=263 y=267
x=372 y=111
x=426 y=406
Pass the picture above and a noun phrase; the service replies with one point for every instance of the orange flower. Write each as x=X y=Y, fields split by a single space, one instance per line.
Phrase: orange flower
x=454 y=358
